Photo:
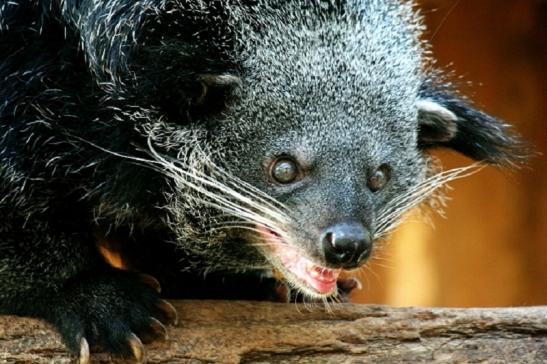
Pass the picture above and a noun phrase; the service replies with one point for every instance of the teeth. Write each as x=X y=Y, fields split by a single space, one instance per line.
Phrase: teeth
x=321 y=274
x=325 y=279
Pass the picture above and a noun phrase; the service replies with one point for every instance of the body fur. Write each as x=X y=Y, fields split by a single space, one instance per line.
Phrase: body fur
x=152 y=125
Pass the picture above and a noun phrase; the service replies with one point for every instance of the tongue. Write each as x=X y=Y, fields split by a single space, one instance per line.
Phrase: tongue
x=322 y=280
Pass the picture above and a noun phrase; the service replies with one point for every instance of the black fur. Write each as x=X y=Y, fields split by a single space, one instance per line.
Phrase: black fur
x=83 y=83
x=478 y=135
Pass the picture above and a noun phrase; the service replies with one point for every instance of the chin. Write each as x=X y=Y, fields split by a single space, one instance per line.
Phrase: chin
x=299 y=270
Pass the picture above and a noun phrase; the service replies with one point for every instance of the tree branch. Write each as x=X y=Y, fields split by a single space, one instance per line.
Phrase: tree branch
x=246 y=332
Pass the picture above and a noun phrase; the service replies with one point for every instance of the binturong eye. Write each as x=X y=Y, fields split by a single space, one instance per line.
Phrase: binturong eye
x=284 y=170
x=379 y=178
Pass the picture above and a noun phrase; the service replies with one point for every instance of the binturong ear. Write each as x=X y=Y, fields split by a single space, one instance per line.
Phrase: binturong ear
x=448 y=121
x=214 y=92
x=215 y=86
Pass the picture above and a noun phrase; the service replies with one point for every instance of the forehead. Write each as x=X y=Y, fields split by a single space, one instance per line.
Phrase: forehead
x=316 y=81
x=358 y=68
x=368 y=52
x=349 y=141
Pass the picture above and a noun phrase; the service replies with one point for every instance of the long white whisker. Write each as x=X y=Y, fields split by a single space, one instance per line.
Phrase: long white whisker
x=436 y=181
x=176 y=172
x=232 y=180
x=240 y=185
x=430 y=184
x=390 y=217
x=214 y=197
x=437 y=178
x=264 y=197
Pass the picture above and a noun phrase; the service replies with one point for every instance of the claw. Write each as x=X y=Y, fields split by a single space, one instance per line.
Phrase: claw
x=168 y=311
x=158 y=328
x=281 y=292
x=151 y=282
x=84 y=356
x=157 y=332
x=137 y=348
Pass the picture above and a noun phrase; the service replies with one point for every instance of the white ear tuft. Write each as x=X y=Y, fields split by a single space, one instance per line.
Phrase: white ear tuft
x=429 y=106
x=437 y=123
x=213 y=83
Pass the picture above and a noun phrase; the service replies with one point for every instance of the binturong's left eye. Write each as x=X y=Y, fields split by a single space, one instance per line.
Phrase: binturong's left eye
x=284 y=170
x=379 y=178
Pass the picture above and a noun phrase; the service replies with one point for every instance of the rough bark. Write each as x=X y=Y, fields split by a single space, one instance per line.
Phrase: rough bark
x=253 y=332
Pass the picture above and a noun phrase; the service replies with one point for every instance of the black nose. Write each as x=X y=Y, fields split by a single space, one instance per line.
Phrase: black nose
x=346 y=245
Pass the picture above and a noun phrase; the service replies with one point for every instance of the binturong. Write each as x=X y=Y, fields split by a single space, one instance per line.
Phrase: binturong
x=215 y=149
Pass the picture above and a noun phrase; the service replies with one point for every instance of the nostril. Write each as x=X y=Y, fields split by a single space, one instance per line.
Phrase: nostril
x=334 y=245
x=329 y=238
x=347 y=244
x=365 y=253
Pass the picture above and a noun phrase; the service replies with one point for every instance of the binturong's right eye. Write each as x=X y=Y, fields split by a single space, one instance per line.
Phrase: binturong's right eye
x=284 y=170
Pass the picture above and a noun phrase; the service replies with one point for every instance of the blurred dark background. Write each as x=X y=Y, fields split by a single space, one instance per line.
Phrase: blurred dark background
x=492 y=248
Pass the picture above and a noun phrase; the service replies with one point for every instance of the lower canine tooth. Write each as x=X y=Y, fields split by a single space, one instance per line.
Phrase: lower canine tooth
x=314 y=274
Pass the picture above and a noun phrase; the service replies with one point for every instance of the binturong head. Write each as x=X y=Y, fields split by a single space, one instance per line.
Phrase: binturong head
x=305 y=131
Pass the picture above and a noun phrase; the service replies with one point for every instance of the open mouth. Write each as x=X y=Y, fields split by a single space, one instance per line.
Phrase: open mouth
x=297 y=269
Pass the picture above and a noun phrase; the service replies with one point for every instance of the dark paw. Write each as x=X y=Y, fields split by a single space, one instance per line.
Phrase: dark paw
x=345 y=287
x=115 y=312
x=133 y=342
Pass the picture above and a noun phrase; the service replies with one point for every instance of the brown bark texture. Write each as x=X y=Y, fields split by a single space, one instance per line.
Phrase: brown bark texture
x=262 y=332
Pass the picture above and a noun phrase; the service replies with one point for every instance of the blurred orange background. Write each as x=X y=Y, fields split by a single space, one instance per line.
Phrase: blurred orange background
x=492 y=248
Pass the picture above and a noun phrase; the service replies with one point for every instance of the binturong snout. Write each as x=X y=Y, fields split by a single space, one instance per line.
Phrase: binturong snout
x=346 y=245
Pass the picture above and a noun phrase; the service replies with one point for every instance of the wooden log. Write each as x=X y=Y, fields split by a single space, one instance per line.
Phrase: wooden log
x=263 y=332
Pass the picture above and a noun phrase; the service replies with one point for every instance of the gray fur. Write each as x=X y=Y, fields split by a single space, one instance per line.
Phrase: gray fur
x=154 y=123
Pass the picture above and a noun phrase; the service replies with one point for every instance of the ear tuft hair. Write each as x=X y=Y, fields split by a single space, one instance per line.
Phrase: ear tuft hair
x=449 y=121
x=212 y=84
x=437 y=123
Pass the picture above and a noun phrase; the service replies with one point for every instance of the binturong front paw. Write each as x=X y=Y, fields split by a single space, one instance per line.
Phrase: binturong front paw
x=115 y=312
x=345 y=286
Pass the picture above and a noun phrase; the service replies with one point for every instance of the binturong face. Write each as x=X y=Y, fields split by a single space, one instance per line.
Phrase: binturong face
x=334 y=187
x=320 y=144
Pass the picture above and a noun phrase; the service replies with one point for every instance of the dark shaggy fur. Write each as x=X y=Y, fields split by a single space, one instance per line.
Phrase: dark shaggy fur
x=114 y=115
